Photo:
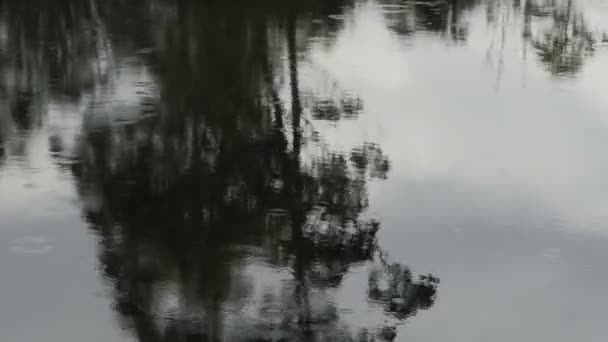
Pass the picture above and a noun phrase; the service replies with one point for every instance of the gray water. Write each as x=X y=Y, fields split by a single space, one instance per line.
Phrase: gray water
x=303 y=171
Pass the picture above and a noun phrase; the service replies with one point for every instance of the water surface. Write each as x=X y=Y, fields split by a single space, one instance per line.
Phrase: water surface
x=303 y=171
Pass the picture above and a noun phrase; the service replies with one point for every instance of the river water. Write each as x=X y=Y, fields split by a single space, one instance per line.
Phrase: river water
x=303 y=171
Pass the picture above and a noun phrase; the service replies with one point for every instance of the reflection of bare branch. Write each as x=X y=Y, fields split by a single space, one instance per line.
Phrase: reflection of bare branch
x=391 y=285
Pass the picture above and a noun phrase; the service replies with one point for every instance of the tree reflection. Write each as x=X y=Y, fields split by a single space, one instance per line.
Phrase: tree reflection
x=49 y=51
x=561 y=37
x=53 y=42
x=58 y=51
x=392 y=285
x=443 y=17
x=209 y=182
x=214 y=218
x=555 y=29
x=564 y=46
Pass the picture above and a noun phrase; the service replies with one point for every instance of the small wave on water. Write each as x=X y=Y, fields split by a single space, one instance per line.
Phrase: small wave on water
x=36 y=244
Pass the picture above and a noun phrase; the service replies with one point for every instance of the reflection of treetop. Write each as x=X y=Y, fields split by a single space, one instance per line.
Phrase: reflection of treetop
x=392 y=286
x=213 y=183
x=565 y=45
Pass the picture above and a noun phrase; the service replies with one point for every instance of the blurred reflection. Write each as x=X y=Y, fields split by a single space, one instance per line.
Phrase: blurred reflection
x=556 y=29
x=61 y=51
x=392 y=285
x=207 y=182
x=444 y=17
x=564 y=45
x=218 y=215
x=49 y=51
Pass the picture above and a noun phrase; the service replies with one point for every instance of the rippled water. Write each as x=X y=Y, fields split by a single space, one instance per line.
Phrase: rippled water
x=303 y=171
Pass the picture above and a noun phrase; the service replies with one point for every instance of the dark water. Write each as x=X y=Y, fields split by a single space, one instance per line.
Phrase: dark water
x=303 y=170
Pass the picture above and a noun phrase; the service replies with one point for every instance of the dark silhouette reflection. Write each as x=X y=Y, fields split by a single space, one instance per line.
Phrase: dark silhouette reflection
x=443 y=17
x=565 y=45
x=332 y=110
x=49 y=51
x=561 y=37
x=215 y=221
x=218 y=215
x=555 y=29
x=391 y=284
x=59 y=51
x=63 y=43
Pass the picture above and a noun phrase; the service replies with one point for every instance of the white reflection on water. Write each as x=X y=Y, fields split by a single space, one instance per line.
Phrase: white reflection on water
x=542 y=140
x=498 y=174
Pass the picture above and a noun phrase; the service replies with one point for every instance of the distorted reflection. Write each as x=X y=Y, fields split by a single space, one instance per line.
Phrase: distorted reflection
x=208 y=181
x=563 y=45
x=50 y=56
x=63 y=51
x=392 y=285
x=191 y=132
